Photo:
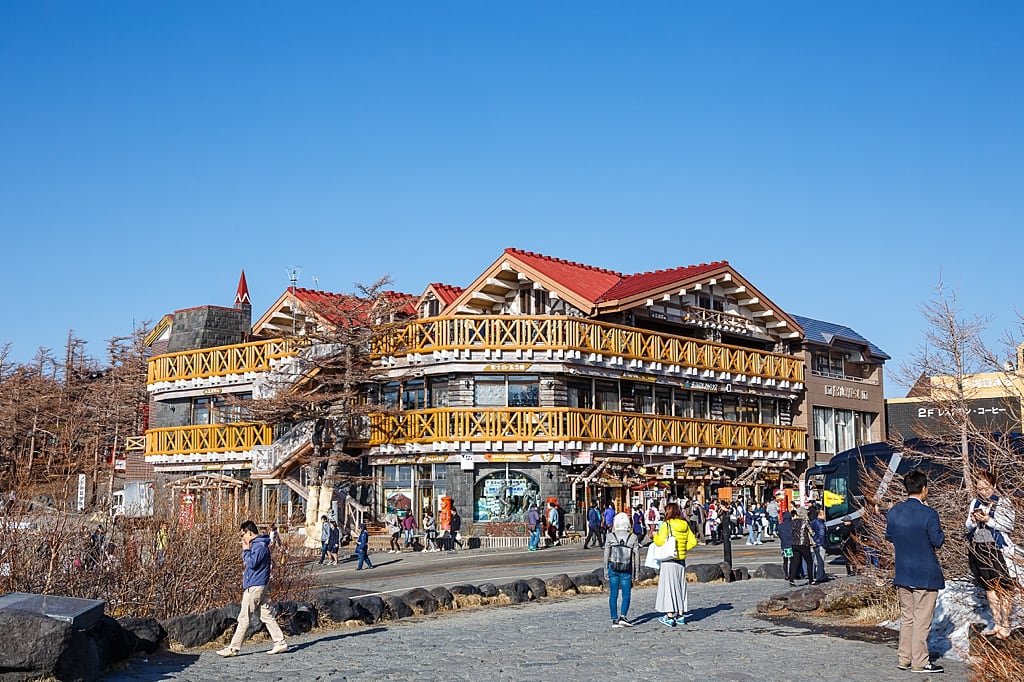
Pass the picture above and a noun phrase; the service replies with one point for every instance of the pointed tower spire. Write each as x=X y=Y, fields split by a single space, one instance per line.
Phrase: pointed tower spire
x=242 y=296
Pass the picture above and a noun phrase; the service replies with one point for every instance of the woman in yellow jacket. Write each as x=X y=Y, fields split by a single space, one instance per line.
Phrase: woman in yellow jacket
x=672 y=577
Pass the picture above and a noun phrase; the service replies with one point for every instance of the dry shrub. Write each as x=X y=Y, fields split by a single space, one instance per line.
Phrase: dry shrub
x=53 y=553
x=589 y=589
x=465 y=601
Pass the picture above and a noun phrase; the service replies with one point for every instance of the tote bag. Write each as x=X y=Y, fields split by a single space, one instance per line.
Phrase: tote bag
x=667 y=551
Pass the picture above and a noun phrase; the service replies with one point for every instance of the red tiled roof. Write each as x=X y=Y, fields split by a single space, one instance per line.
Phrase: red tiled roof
x=632 y=285
x=446 y=292
x=584 y=280
x=342 y=308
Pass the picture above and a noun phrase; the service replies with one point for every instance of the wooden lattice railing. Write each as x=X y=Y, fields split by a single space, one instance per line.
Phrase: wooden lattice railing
x=184 y=440
x=219 y=361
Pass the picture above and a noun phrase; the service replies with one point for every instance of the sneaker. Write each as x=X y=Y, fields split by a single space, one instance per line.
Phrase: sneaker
x=615 y=624
x=279 y=648
x=903 y=666
x=930 y=668
x=227 y=652
x=624 y=623
x=669 y=622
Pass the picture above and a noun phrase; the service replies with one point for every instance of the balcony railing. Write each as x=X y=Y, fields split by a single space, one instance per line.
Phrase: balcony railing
x=220 y=361
x=568 y=424
x=491 y=332
x=207 y=438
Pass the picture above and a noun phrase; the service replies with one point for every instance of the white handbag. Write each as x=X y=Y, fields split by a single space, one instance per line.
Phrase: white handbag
x=667 y=551
x=650 y=561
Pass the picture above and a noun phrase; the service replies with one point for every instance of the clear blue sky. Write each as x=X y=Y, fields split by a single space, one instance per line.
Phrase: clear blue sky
x=840 y=155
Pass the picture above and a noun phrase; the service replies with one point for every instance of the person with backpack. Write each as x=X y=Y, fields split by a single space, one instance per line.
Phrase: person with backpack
x=593 y=527
x=671 y=598
x=638 y=524
x=621 y=562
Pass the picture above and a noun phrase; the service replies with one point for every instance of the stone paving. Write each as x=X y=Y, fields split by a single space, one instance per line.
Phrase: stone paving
x=559 y=639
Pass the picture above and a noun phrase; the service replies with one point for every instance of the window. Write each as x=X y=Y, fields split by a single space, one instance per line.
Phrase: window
x=749 y=411
x=389 y=394
x=730 y=408
x=414 y=395
x=439 y=392
x=201 y=412
x=663 y=401
x=769 y=411
x=824 y=430
x=499 y=390
x=681 y=404
x=580 y=395
x=533 y=301
x=700 y=405
x=845 y=437
x=606 y=396
x=431 y=307
x=862 y=426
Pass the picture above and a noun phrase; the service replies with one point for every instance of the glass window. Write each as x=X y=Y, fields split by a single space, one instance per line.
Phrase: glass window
x=439 y=392
x=201 y=411
x=390 y=394
x=730 y=408
x=579 y=395
x=700 y=405
x=523 y=390
x=663 y=401
x=749 y=411
x=824 y=430
x=862 y=426
x=413 y=395
x=505 y=496
x=606 y=396
x=489 y=390
x=769 y=411
x=681 y=404
x=845 y=435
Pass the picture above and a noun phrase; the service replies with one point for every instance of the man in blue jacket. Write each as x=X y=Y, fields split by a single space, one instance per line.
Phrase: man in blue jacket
x=915 y=533
x=255 y=578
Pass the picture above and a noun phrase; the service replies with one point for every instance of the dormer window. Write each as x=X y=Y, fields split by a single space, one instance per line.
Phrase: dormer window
x=431 y=307
x=533 y=301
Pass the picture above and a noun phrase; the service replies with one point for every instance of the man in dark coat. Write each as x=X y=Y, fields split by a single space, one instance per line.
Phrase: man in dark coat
x=915 y=533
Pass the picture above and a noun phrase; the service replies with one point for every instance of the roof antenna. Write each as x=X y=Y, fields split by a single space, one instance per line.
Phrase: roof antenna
x=316 y=282
x=293 y=277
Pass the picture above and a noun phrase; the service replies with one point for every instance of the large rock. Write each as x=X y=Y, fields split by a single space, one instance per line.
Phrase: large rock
x=34 y=646
x=369 y=609
x=561 y=584
x=848 y=594
x=705 y=573
x=488 y=590
x=806 y=599
x=646 y=573
x=395 y=608
x=296 y=618
x=599 y=574
x=586 y=580
x=443 y=597
x=538 y=589
x=421 y=600
x=143 y=634
x=465 y=590
x=110 y=640
x=517 y=591
x=726 y=571
x=740 y=573
x=198 y=629
x=770 y=571
x=338 y=609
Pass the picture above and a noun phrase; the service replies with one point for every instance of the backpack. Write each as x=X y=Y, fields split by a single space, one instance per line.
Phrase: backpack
x=620 y=557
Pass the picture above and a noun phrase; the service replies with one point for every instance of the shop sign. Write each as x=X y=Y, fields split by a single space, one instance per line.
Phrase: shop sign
x=466 y=461
x=851 y=392
x=639 y=377
x=508 y=366
x=514 y=486
x=693 y=464
x=668 y=471
x=708 y=386
x=694 y=473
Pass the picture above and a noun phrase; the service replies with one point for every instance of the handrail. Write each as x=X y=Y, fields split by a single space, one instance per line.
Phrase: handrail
x=239 y=358
x=202 y=438
x=569 y=424
x=541 y=333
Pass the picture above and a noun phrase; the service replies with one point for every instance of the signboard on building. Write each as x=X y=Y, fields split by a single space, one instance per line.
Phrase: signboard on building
x=81 y=492
x=668 y=471
x=923 y=419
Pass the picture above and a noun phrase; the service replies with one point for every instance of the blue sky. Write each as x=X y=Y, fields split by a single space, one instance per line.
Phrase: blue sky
x=842 y=156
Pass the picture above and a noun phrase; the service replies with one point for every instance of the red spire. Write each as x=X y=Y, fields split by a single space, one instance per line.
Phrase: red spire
x=242 y=297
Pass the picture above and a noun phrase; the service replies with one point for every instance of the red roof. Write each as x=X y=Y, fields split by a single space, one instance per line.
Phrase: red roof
x=651 y=281
x=344 y=308
x=446 y=292
x=584 y=280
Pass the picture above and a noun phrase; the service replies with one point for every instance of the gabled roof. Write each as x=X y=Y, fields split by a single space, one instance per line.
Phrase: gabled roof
x=446 y=293
x=336 y=309
x=644 y=282
x=821 y=332
x=586 y=281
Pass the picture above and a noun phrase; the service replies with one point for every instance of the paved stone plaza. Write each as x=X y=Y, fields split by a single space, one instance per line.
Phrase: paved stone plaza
x=561 y=639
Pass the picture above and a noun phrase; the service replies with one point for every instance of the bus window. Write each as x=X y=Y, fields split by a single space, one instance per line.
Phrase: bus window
x=836 y=497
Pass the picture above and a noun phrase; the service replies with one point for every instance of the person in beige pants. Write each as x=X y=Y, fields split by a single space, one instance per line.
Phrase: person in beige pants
x=255 y=578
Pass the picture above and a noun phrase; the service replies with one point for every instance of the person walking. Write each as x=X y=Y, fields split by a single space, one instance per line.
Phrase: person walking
x=639 y=527
x=255 y=579
x=430 y=531
x=325 y=537
x=455 y=525
x=914 y=530
x=362 y=548
x=552 y=519
x=394 y=528
x=990 y=521
x=533 y=524
x=608 y=518
x=818 y=538
x=785 y=531
x=621 y=562
x=671 y=598
x=409 y=527
x=772 y=511
x=593 y=526
x=333 y=538
x=801 y=548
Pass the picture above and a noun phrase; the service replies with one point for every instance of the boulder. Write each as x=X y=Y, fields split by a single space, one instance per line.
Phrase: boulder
x=488 y=590
x=586 y=580
x=34 y=646
x=420 y=600
x=395 y=608
x=296 y=617
x=338 y=609
x=198 y=629
x=143 y=634
x=110 y=640
x=646 y=573
x=849 y=594
x=771 y=605
x=601 y=579
x=561 y=584
x=369 y=609
x=705 y=573
x=726 y=570
x=443 y=597
x=740 y=573
x=517 y=591
x=465 y=590
x=770 y=571
x=538 y=590
x=805 y=599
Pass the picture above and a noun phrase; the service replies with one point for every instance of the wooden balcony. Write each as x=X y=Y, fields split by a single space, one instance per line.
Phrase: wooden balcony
x=587 y=426
x=208 y=438
x=220 y=361
x=493 y=332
